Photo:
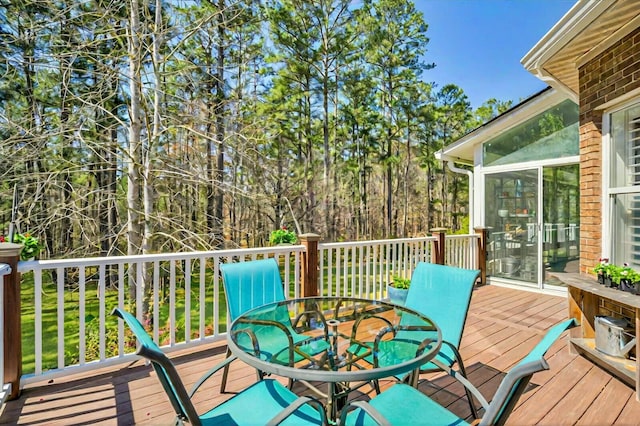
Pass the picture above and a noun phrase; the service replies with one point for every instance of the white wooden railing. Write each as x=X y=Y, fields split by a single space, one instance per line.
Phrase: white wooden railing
x=462 y=251
x=364 y=268
x=82 y=293
x=67 y=326
x=5 y=389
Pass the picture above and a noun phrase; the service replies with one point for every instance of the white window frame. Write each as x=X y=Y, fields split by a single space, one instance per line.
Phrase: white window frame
x=607 y=191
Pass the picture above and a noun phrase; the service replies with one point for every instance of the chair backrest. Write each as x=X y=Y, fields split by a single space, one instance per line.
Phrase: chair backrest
x=165 y=370
x=443 y=293
x=251 y=284
x=515 y=382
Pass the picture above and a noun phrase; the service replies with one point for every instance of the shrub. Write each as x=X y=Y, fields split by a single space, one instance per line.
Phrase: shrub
x=30 y=245
x=283 y=236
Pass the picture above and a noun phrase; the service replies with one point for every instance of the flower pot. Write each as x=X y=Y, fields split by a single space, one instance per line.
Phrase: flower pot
x=629 y=287
x=608 y=282
x=397 y=295
x=601 y=278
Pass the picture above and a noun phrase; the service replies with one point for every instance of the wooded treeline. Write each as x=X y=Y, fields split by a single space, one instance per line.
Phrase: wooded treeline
x=142 y=126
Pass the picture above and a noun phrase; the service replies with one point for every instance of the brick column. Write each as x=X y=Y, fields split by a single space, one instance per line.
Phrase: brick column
x=309 y=273
x=437 y=256
x=10 y=254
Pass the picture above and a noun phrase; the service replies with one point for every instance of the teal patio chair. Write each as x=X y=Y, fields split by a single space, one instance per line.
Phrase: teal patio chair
x=442 y=293
x=255 y=283
x=385 y=408
x=273 y=403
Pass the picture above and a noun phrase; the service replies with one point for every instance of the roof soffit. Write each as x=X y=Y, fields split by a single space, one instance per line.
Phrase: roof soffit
x=583 y=33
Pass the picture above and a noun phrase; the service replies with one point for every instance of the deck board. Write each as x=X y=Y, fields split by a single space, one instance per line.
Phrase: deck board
x=502 y=326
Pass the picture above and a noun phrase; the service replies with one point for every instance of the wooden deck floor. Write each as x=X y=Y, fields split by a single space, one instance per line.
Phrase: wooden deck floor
x=502 y=326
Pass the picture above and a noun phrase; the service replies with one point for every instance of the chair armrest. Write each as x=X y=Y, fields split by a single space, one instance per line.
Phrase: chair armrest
x=209 y=373
x=363 y=317
x=466 y=383
x=279 y=418
x=312 y=313
x=395 y=329
x=275 y=324
x=367 y=408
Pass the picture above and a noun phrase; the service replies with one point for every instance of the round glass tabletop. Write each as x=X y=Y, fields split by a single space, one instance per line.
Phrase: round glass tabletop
x=334 y=339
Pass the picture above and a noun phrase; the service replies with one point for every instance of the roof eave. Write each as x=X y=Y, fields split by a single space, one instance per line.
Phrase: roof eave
x=579 y=17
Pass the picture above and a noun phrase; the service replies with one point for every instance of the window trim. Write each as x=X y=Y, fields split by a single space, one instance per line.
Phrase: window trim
x=619 y=104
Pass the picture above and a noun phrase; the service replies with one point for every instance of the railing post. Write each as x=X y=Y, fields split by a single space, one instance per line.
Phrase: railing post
x=437 y=256
x=10 y=254
x=309 y=273
x=482 y=252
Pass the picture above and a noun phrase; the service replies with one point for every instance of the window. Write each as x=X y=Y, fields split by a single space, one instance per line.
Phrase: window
x=624 y=187
x=551 y=134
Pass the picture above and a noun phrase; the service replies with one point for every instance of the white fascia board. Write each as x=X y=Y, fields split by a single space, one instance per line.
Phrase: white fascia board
x=579 y=17
x=502 y=123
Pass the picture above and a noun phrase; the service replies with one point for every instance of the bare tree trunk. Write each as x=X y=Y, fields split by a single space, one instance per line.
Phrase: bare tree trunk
x=405 y=188
x=220 y=130
x=134 y=231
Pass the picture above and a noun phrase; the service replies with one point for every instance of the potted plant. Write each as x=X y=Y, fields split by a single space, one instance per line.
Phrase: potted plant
x=282 y=236
x=601 y=269
x=630 y=281
x=30 y=245
x=615 y=273
x=398 y=289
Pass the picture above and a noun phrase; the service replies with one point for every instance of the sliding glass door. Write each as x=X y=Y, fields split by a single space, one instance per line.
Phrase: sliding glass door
x=534 y=233
x=511 y=213
x=561 y=222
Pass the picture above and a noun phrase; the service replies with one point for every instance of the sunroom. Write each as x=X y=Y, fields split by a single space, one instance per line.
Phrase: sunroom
x=526 y=189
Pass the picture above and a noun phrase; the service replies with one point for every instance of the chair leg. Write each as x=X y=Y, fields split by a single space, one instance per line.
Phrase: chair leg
x=225 y=373
x=463 y=372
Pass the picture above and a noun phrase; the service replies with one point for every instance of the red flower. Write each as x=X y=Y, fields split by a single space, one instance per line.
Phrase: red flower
x=2 y=240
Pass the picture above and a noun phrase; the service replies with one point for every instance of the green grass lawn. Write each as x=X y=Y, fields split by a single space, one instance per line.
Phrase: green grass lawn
x=92 y=320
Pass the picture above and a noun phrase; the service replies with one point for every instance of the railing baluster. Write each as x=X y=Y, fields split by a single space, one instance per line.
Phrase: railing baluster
x=187 y=300
x=345 y=272
x=82 y=315
x=338 y=271
x=202 y=296
x=139 y=290
x=102 y=297
x=216 y=297
x=296 y=272
x=37 y=278
x=156 y=301
x=321 y=261
x=121 y=288
x=61 y=274
x=172 y=302
x=330 y=291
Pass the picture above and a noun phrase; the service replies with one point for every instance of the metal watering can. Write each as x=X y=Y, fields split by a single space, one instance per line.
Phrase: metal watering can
x=613 y=336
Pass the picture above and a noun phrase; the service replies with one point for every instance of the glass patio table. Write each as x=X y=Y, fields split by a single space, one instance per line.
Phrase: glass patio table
x=307 y=339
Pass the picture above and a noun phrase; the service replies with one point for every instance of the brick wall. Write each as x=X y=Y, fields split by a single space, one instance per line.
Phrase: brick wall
x=603 y=79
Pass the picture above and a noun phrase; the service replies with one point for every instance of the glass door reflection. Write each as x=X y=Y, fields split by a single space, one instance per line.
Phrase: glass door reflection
x=561 y=222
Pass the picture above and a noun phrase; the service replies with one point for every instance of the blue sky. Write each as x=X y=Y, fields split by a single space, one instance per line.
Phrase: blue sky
x=478 y=44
